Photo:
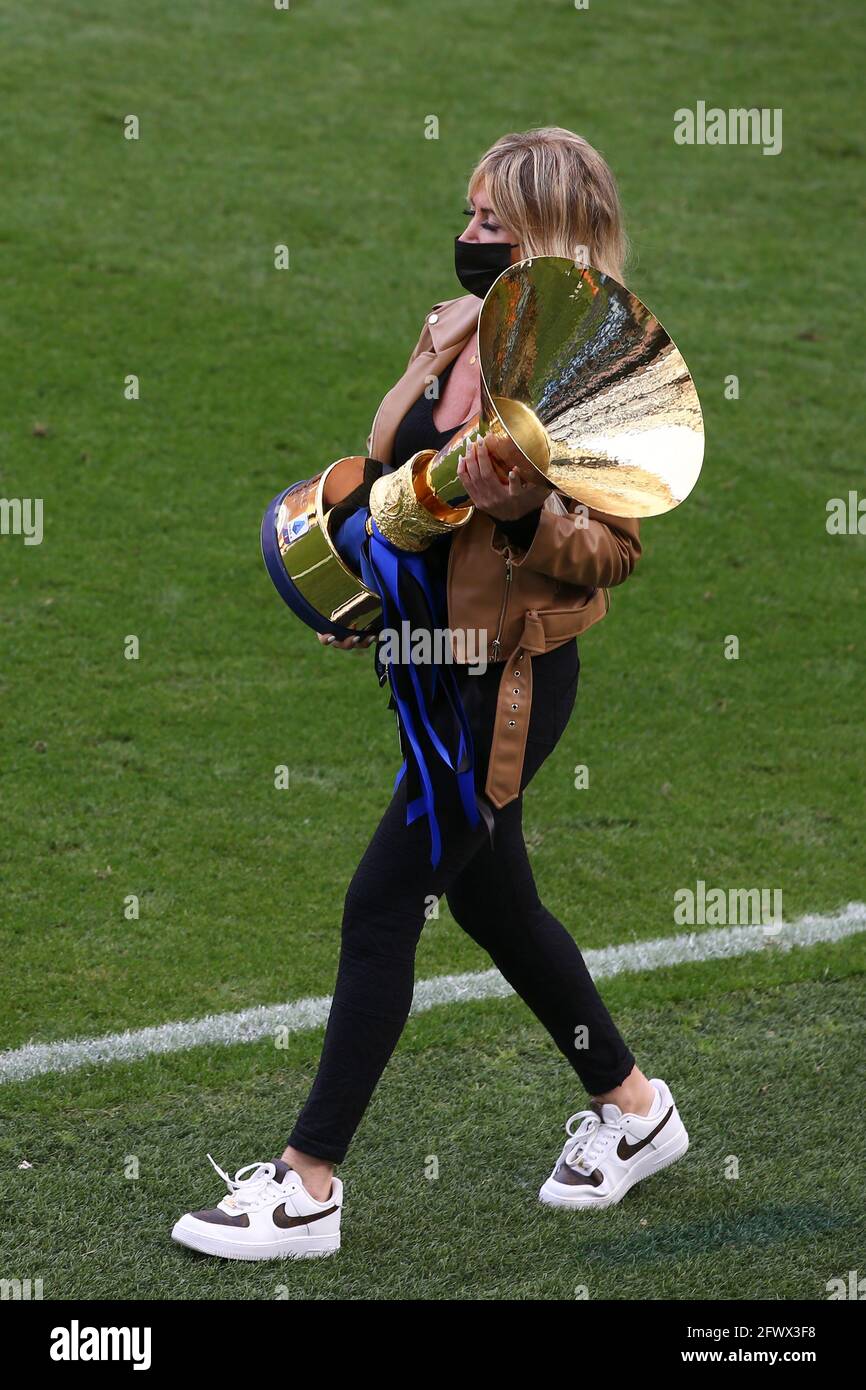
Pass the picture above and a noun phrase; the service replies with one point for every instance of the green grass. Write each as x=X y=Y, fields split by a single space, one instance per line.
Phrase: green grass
x=155 y=777
x=480 y=1089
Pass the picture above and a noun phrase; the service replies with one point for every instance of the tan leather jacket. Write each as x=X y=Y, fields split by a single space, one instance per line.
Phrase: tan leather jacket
x=527 y=601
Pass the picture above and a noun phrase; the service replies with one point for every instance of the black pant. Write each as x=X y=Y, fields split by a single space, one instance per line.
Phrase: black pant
x=492 y=895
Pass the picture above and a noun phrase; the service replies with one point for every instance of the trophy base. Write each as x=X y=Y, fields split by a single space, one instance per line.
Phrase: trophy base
x=300 y=555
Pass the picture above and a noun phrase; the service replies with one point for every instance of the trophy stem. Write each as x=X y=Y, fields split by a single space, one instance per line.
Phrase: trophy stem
x=425 y=497
x=441 y=472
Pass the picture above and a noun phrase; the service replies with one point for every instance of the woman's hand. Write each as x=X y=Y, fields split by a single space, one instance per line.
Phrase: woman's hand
x=481 y=471
x=346 y=644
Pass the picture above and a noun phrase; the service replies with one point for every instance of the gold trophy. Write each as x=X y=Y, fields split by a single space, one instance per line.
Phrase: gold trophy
x=579 y=374
x=576 y=371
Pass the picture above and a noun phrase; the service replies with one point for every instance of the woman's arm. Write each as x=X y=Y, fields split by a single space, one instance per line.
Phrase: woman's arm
x=583 y=547
x=578 y=546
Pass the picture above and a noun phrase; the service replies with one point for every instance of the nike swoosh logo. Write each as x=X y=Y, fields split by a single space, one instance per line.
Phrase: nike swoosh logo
x=626 y=1150
x=285 y=1221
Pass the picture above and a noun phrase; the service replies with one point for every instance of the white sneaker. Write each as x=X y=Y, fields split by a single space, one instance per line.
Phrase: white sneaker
x=267 y=1216
x=608 y=1152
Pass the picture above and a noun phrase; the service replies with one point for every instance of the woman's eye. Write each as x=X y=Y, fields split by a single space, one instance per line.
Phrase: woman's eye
x=488 y=226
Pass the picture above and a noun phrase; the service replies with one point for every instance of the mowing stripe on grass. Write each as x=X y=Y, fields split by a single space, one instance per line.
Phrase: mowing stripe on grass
x=251 y=1025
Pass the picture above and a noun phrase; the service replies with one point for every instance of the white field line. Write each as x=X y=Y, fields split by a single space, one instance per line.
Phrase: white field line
x=251 y=1025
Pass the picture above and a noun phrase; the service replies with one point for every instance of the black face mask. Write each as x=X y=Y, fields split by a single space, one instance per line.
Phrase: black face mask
x=479 y=263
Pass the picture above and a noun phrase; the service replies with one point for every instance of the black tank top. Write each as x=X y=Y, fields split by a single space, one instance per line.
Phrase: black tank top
x=417 y=431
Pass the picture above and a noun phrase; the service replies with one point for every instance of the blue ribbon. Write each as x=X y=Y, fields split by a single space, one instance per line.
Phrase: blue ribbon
x=382 y=565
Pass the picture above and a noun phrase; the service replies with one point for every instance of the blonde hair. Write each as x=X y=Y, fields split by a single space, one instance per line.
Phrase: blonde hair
x=557 y=194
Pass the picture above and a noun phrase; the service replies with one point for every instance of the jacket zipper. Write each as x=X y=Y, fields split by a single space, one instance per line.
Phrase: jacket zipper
x=496 y=644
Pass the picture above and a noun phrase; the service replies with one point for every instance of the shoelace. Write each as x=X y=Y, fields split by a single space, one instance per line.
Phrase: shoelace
x=593 y=1137
x=249 y=1192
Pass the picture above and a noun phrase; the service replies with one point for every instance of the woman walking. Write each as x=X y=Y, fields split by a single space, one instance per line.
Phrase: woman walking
x=530 y=571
